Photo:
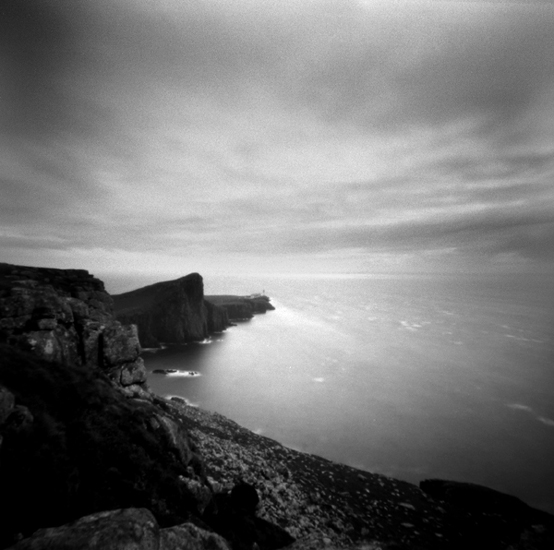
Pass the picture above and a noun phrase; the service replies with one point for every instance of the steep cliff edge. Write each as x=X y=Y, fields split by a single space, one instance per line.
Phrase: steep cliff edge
x=170 y=311
x=178 y=312
x=66 y=316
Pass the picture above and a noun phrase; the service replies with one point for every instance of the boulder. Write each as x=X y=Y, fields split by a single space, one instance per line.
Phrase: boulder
x=190 y=537
x=133 y=373
x=129 y=529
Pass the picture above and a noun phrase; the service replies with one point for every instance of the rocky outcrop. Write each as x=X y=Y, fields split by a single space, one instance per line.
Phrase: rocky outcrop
x=72 y=444
x=241 y=307
x=66 y=316
x=129 y=529
x=171 y=311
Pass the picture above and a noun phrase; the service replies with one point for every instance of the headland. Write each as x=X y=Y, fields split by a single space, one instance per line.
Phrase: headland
x=91 y=458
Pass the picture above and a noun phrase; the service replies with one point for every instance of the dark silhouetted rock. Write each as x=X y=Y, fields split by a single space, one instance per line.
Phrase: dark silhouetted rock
x=241 y=307
x=245 y=497
x=497 y=519
x=233 y=515
x=171 y=311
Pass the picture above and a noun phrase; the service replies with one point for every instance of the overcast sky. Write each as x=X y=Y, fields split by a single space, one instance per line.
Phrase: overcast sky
x=222 y=136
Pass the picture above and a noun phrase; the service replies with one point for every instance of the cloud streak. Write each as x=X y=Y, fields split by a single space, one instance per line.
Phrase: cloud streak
x=343 y=130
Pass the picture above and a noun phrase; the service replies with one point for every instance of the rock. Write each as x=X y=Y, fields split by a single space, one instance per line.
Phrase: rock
x=177 y=311
x=176 y=436
x=218 y=318
x=474 y=498
x=133 y=373
x=59 y=345
x=190 y=537
x=7 y=402
x=241 y=307
x=233 y=515
x=65 y=316
x=120 y=343
x=19 y=421
x=129 y=529
x=245 y=497
x=170 y=311
x=73 y=445
x=200 y=490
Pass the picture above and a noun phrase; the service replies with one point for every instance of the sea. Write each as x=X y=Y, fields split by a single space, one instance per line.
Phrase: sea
x=410 y=376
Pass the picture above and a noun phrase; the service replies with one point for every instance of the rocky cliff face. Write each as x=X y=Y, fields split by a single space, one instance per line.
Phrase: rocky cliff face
x=241 y=307
x=171 y=311
x=66 y=317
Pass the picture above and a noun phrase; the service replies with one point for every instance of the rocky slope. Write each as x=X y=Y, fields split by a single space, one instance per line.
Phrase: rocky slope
x=328 y=505
x=90 y=458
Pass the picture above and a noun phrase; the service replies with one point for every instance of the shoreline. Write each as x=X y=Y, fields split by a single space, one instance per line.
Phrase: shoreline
x=332 y=504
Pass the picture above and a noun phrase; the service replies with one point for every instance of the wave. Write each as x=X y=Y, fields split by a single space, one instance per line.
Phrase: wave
x=184 y=374
x=543 y=419
x=519 y=406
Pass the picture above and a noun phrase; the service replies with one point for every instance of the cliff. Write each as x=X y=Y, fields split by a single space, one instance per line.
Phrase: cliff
x=80 y=432
x=91 y=461
x=170 y=311
x=178 y=312
x=66 y=317
x=241 y=307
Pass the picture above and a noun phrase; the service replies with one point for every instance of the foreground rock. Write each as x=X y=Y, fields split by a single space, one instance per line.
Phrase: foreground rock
x=129 y=529
x=71 y=444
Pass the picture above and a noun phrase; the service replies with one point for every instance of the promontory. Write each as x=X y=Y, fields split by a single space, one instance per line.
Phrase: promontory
x=91 y=458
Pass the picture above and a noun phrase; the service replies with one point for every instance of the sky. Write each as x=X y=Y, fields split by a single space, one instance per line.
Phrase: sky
x=306 y=136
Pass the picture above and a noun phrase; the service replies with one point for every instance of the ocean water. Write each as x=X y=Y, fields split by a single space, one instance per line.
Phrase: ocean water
x=408 y=376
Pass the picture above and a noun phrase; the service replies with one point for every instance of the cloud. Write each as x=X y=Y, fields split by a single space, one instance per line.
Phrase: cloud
x=323 y=127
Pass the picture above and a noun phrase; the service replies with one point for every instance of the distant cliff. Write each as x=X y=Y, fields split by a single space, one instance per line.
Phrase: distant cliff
x=178 y=312
x=241 y=307
x=170 y=311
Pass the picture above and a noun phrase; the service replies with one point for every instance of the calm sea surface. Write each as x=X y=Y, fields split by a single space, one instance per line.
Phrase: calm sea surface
x=408 y=376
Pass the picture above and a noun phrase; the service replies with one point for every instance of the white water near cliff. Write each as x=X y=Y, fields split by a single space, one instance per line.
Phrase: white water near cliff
x=409 y=376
